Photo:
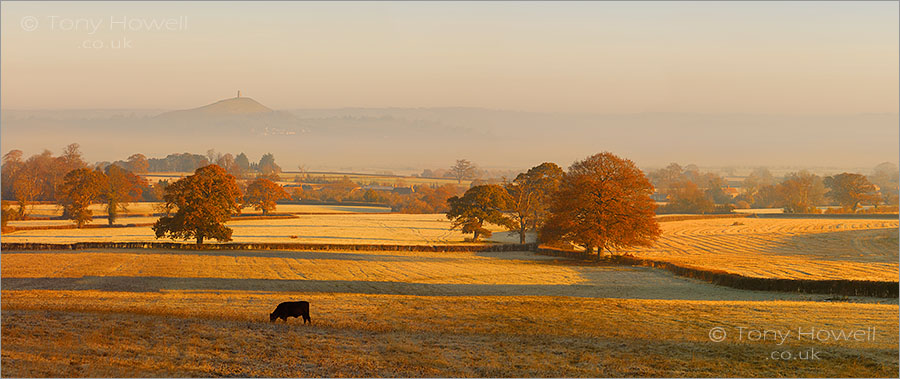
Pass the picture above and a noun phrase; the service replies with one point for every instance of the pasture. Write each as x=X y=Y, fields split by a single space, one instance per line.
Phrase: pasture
x=291 y=177
x=861 y=249
x=389 y=228
x=120 y=312
x=205 y=313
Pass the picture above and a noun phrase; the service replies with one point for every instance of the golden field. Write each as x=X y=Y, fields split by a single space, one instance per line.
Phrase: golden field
x=149 y=208
x=123 y=312
x=200 y=334
x=862 y=249
x=204 y=313
x=413 y=273
x=393 y=228
x=289 y=177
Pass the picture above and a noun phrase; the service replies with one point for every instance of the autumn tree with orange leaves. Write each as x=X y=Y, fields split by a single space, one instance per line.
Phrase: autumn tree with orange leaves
x=79 y=189
x=262 y=194
x=121 y=187
x=603 y=202
x=199 y=205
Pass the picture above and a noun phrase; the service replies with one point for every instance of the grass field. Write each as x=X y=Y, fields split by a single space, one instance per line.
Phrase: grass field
x=204 y=313
x=361 y=179
x=413 y=273
x=862 y=249
x=403 y=229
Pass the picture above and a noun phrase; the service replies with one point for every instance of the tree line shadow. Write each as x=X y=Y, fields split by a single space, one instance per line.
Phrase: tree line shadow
x=631 y=284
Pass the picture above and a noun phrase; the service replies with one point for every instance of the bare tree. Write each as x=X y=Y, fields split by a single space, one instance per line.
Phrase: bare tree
x=531 y=193
x=463 y=169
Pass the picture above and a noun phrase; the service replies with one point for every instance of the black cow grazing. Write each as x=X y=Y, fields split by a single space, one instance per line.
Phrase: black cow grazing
x=291 y=309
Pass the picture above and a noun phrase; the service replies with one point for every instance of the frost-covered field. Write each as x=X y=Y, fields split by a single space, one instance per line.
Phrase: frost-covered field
x=863 y=249
x=204 y=313
x=403 y=229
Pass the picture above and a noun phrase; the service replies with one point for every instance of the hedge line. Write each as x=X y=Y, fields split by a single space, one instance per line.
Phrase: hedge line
x=10 y=228
x=72 y=226
x=873 y=216
x=336 y=203
x=18 y=246
x=666 y=218
x=832 y=287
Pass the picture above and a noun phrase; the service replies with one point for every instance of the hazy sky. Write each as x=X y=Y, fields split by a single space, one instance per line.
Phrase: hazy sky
x=606 y=57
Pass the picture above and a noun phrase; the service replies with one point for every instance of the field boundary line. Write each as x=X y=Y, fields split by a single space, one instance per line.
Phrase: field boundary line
x=834 y=216
x=841 y=287
x=11 y=229
x=29 y=246
x=837 y=216
x=683 y=217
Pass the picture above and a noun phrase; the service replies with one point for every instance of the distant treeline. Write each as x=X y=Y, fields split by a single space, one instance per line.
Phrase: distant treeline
x=42 y=178
x=687 y=190
x=38 y=177
x=187 y=162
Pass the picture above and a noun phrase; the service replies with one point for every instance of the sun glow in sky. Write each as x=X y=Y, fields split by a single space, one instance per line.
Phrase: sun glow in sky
x=599 y=57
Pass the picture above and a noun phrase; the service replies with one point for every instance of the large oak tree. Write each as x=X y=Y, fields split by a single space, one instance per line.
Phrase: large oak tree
x=603 y=202
x=480 y=204
x=197 y=206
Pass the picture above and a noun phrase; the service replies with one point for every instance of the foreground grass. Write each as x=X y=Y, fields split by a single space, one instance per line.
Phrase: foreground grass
x=190 y=333
x=101 y=313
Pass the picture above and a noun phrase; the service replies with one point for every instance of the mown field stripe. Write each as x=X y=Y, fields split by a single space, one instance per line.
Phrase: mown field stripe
x=843 y=287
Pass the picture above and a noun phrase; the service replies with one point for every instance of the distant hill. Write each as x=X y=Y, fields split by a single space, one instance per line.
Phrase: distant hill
x=237 y=117
x=232 y=106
